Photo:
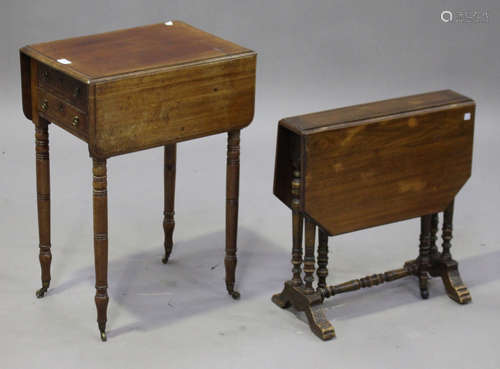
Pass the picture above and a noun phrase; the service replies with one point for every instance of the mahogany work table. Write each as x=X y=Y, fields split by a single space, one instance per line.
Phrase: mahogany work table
x=366 y=165
x=131 y=90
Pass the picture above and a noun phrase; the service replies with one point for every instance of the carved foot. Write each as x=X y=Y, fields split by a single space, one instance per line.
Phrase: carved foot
x=318 y=323
x=104 y=338
x=281 y=299
x=310 y=304
x=448 y=271
x=455 y=287
x=42 y=291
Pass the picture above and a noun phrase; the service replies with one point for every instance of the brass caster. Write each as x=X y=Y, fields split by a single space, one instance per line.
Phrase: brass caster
x=165 y=258
x=103 y=337
x=424 y=293
x=234 y=294
x=41 y=292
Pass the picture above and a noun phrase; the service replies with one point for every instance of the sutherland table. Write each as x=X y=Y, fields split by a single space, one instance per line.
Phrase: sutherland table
x=362 y=166
x=131 y=90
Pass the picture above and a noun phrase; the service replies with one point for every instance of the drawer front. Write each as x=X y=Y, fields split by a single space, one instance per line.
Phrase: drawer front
x=60 y=84
x=63 y=114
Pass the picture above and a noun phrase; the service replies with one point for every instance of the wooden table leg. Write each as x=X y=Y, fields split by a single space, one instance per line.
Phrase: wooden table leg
x=434 y=229
x=424 y=260
x=309 y=260
x=169 y=196
x=297 y=229
x=283 y=299
x=447 y=233
x=448 y=268
x=43 y=201
x=100 y=201
x=322 y=271
x=232 y=194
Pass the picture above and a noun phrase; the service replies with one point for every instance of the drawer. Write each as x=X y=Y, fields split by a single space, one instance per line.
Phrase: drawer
x=76 y=92
x=63 y=114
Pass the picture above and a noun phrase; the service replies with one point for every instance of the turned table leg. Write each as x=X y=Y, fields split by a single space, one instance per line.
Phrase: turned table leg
x=322 y=271
x=100 y=202
x=424 y=260
x=447 y=231
x=309 y=261
x=232 y=193
x=43 y=201
x=297 y=227
x=283 y=299
x=169 y=193
x=448 y=268
x=434 y=229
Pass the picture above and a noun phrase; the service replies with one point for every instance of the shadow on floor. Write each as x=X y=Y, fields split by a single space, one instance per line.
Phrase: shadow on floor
x=190 y=284
x=193 y=282
x=476 y=270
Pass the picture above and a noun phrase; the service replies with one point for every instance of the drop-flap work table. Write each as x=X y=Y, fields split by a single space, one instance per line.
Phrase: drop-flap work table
x=130 y=90
x=362 y=166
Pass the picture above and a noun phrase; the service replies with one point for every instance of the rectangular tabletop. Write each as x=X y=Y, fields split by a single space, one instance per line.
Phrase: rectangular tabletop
x=141 y=87
x=135 y=49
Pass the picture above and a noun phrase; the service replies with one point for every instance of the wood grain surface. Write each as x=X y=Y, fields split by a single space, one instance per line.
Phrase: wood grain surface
x=141 y=87
x=176 y=105
x=134 y=49
x=381 y=169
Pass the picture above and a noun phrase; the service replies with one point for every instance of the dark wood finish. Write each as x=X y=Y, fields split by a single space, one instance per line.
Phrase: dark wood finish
x=447 y=230
x=297 y=227
x=100 y=197
x=355 y=168
x=358 y=114
x=368 y=165
x=135 y=49
x=447 y=269
x=63 y=114
x=365 y=282
x=232 y=196
x=43 y=201
x=309 y=260
x=179 y=104
x=424 y=257
x=135 y=89
x=165 y=84
x=310 y=304
x=70 y=89
x=25 y=62
x=434 y=229
x=322 y=271
x=170 y=162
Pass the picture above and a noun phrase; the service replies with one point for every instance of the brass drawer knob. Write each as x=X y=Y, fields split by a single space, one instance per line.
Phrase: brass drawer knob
x=45 y=105
x=45 y=75
x=76 y=92
x=76 y=121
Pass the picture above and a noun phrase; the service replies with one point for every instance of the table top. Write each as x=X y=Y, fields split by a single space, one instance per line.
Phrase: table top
x=126 y=51
x=358 y=114
x=139 y=88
